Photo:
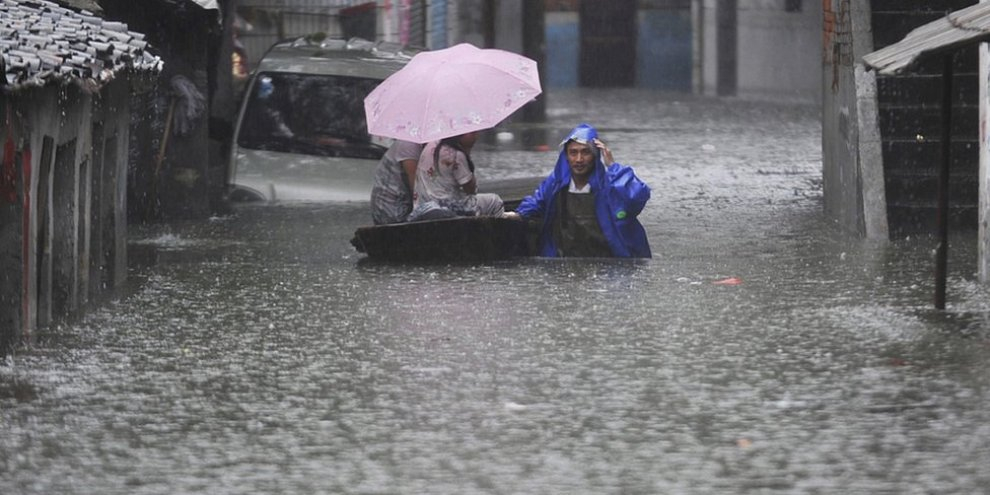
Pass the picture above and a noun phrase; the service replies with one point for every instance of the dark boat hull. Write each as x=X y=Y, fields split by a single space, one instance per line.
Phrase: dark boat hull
x=449 y=239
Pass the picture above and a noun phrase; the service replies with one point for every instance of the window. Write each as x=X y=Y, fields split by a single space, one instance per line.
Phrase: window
x=309 y=114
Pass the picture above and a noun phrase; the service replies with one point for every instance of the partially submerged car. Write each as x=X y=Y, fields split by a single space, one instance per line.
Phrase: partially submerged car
x=301 y=134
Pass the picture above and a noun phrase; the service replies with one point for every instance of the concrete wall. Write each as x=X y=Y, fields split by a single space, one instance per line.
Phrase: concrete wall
x=983 y=230
x=62 y=242
x=852 y=166
x=706 y=53
x=778 y=50
x=775 y=52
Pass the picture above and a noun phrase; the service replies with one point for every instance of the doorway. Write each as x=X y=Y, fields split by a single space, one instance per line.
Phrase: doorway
x=608 y=43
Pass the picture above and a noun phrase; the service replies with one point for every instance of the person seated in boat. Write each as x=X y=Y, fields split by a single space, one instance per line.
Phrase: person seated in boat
x=394 y=182
x=588 y=205
x=445 y=182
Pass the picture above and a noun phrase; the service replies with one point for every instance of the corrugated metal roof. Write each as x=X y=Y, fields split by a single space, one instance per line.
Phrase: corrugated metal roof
x=43 y=42
x=962 y=27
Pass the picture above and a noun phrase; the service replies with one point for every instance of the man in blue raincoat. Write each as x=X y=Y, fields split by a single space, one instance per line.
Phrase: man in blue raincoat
x=588 y=205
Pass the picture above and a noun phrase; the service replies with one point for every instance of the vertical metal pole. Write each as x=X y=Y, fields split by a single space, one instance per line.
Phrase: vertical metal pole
x=942 y=213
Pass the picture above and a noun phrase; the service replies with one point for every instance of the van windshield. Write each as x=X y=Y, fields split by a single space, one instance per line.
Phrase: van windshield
x=310 y=114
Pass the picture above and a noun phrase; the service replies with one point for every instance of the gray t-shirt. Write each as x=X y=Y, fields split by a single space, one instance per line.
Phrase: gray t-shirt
x=391 y=199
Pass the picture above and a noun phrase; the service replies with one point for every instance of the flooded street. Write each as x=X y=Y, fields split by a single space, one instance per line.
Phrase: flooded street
x=258 y=353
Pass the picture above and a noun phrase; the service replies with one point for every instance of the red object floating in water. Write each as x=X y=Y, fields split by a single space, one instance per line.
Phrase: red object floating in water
x=541 y=147
x=728 y=281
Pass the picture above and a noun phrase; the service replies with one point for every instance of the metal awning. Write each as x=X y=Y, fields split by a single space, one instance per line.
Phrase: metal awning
x=962 y=27
x=89 y=5
x=207 y=4
x=955 y=30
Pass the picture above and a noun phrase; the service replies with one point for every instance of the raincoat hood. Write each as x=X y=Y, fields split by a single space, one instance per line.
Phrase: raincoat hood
x=584 y=134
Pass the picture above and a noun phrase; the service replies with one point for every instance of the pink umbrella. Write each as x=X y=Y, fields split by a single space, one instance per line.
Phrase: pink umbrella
x=448 y=92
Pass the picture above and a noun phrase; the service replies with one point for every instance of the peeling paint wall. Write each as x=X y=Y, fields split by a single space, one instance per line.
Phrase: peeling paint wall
x=839 y=132
x=852 y=166
x=65 y=227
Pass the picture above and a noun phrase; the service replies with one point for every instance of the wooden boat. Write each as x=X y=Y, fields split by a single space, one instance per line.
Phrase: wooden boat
x=448 y=239
x=471 y=239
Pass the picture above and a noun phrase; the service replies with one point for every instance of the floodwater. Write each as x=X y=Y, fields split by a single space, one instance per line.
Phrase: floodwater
x=257 y=353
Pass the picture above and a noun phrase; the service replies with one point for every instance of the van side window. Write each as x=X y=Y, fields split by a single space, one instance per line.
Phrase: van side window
x=310 y=114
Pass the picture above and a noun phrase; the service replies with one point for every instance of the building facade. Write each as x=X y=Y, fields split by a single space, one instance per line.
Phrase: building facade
x=881 y=134
x=64 y=116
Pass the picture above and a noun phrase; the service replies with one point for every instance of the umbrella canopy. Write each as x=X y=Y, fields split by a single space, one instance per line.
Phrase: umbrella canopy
x=448 y=92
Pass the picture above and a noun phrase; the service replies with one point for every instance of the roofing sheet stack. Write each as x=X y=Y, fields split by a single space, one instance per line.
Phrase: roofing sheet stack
x=43 y=42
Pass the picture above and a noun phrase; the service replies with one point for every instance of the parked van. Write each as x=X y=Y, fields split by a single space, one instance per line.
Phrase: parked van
x=301 y=134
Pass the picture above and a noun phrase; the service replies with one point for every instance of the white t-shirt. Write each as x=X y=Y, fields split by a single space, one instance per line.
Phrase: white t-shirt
x=579 y=190
x=442 y=181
